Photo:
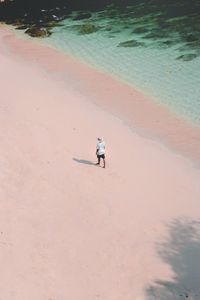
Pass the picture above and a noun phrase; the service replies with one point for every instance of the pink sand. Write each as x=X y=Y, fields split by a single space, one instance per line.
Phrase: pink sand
x=71 y=230
x=134 y=108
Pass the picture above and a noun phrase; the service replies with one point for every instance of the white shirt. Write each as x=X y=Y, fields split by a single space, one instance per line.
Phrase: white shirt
x=101 y=148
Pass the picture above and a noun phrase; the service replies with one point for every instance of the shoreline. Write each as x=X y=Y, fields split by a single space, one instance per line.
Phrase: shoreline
x=70 y=229
x=144 y=115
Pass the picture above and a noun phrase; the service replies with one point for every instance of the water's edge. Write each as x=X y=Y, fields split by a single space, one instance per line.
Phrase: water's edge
x=139 y=112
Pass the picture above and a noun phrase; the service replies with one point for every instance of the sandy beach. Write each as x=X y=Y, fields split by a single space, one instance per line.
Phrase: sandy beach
x=70 y=229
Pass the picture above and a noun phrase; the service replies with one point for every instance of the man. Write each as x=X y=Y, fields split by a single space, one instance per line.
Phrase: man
x=100 y=151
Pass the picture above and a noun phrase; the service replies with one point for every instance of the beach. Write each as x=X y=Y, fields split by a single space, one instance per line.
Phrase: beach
x=70 y=229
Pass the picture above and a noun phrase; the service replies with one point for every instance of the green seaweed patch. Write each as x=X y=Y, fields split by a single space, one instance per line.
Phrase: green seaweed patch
x=191 y=38
x=193 y=45
x=72 y=27
x=157 y=34
x=116 y=31
x=108 y=28
x=82 y=16
x=126 y=26
x=53 y=24
x=140 y=30
x=170 y=42
x=88 y=28
x=131 y=43
x=163 y=24
x=160 y=45
x=166 y=44
x=187 y=57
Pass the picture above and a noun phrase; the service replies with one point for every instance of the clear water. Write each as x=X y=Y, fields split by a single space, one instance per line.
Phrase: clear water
x=163 y=63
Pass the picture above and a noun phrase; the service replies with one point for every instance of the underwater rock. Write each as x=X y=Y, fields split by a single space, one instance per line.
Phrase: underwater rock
x=17 y=23
x=165 y=44
x=194 y=45
x=131 y=43
x=187 y=57
x=156 y=34
x=169 y=43
x=163 y=24
x=108 y=28
x=38 y=32
x=82 y=16
x=9 y=22
x=189 y=46
x=87 y=28
x=191 y=38
x=53 y=24
x=22 y=27
x=140 y=30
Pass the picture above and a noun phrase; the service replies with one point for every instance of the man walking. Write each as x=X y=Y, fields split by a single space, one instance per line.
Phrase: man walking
x=100 y=151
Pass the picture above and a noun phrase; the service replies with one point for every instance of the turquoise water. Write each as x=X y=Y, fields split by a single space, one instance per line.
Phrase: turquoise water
x=160 y=63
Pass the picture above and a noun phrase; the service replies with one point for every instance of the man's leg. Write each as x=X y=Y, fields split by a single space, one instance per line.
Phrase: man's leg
x=98 y=160
x=104 y=161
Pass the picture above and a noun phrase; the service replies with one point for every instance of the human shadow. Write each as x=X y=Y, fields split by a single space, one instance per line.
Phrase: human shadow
x=83 y=161
x=182 y=252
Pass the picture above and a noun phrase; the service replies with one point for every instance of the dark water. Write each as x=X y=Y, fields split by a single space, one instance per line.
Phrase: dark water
x=154 y=20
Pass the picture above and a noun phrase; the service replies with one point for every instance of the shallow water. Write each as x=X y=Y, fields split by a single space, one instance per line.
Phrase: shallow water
x=155 y=53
